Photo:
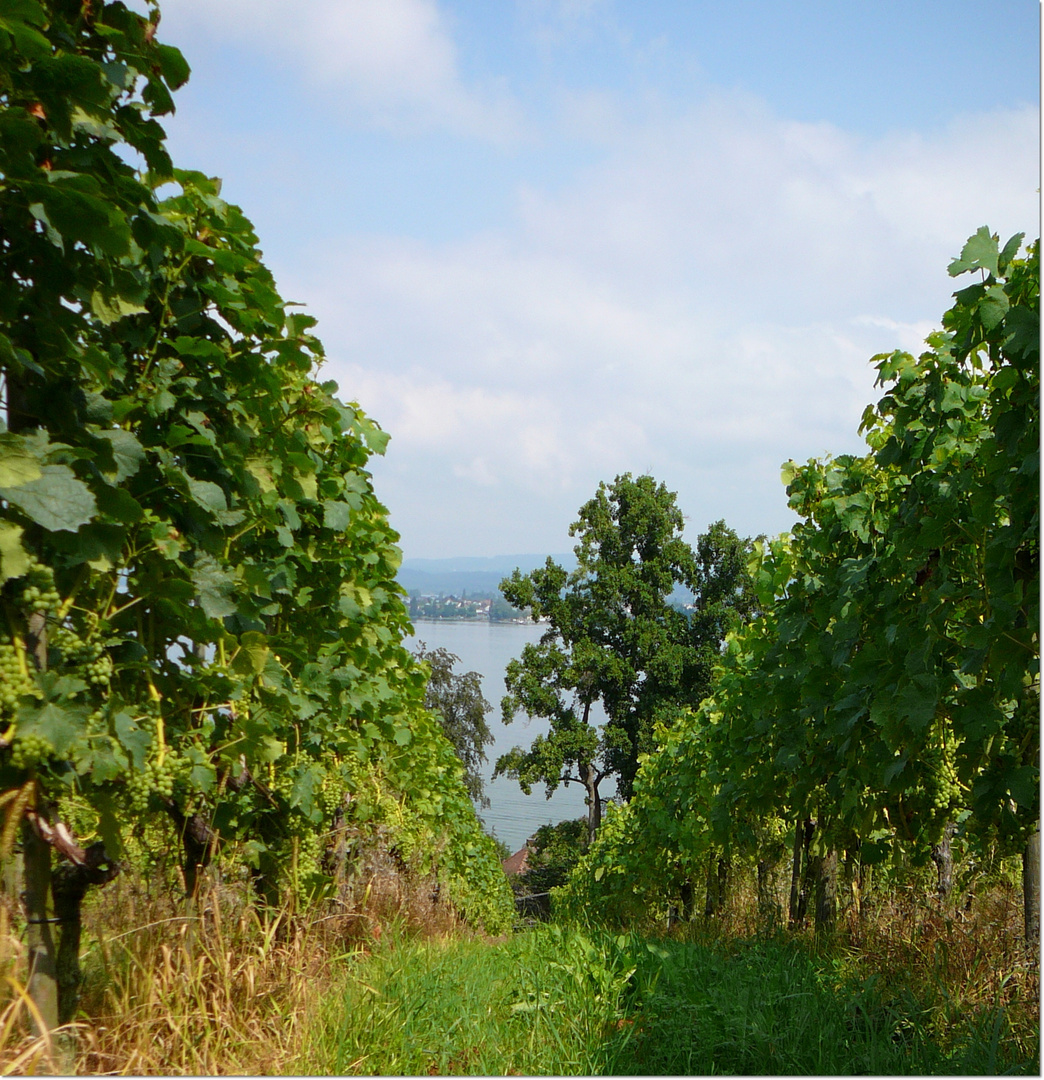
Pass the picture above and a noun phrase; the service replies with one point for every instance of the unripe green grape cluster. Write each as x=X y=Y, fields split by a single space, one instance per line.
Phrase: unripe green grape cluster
x=38 y=593
x=139 y=788
x=13 y=681
x=943 y=789
x=89 y=656
x=309 y=857
x=28 y=751
x=99 y=670
x=281 y=783
x=73 y=648
x=157 y=776
x=96 y=723
x=309 y=853
x=331 y=796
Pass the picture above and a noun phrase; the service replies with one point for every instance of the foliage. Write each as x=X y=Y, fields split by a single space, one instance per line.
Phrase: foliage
x=553 y=852
x=501 y=611
x=646 y=849
x=894 y=686
x=613 y=637
x=889 y=683
x=199 y=590
x=458 y=702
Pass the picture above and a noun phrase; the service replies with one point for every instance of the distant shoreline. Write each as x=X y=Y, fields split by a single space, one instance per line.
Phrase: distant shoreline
x=470 y=619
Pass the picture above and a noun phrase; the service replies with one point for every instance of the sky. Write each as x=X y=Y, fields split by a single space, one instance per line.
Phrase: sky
x=552 y=241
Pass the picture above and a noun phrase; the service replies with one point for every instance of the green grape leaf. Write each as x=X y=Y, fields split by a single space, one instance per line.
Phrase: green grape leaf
x=268 y=749
x=59 y=724
x=100 y=763
x=132 y=738
x=208 y=495
x=1024 y=785
x=108 y=820
x=337 y=515
x=55 y=500
x=259 y=469
x=118 y=503
x=127 y=454
x=111 y=309
x=1010 y=250
x=17 y=465
x=214 y=586
x=979 y=253
x=14 y=560
x=993 y=307
x=306 y=783
x=254 y=653
x=202 y=775
x=173 y=65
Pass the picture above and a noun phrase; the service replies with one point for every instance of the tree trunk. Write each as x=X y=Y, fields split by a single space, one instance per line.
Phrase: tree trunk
x=825 y=868
x=68 y=895
x=1031 y=889
x=795 y=875
x=69 y=885
x=768 y=901
x=42 y=987
x=943 y=859
x=594 y=802
x=852 y=877
x=724 y=868
x=798 y=876
x=717 y=885
x=710 y=905
x=687 y=900
x=196 y=841
x=335 y=855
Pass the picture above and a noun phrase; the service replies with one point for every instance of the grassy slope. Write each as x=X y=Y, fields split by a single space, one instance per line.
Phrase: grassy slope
x=560 y=1002
x=397 y=986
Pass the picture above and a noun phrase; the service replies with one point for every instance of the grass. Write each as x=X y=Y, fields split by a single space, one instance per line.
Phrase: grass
x=564 y=1002
x=774 y=1007
x=396 y=986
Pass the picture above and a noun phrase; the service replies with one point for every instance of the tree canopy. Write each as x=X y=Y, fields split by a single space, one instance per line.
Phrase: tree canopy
x=615 y=638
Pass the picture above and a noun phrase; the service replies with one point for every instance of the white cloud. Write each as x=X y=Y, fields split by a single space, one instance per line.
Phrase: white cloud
x=703 y=304
x=393 y=62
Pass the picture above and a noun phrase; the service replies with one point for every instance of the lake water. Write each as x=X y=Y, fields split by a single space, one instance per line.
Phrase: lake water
x=486 y=647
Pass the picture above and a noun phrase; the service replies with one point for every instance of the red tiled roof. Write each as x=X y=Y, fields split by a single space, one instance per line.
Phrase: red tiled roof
x=519 y=862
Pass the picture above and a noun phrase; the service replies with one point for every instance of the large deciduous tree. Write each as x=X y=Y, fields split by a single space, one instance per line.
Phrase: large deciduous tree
x=614 y=637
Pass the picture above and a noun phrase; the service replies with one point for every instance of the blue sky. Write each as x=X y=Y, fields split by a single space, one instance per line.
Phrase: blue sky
x=549 y=241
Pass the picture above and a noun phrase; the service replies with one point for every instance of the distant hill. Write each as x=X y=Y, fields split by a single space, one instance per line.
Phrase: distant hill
x=477 y=576
x=502 y=564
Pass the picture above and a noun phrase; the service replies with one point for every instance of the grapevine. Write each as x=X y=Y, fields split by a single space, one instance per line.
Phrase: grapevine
x=14 y=677
x=30 y=751
x=194 y=492
x=39 y=594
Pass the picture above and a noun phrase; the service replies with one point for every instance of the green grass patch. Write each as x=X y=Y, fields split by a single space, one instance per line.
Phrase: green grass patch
x=558 y=1001
x=773 y=1007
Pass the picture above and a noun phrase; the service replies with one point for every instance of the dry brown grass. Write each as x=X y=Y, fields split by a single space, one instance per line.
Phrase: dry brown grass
x=216 y=987
x=962 y=963
x=960 y=960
